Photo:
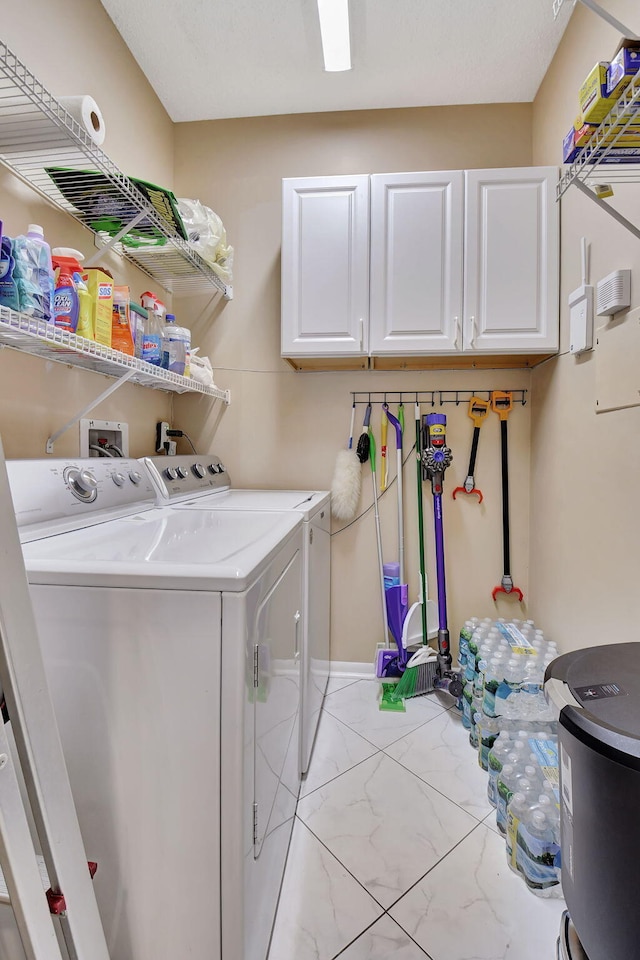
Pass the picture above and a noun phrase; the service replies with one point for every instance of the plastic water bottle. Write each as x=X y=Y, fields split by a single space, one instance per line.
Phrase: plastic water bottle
x=508 y=784
x=176 y=348
x=476 y=710
x=472 y=649
x=467 y=697
x=493 y=677
x=463 y=642
x=538 y=851
x=488 y=731
x=496 y=760
x=518 y=809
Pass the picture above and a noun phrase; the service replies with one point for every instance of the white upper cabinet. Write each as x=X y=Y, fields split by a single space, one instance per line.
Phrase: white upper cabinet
x=454 y=263
x=416 y=263
x=511 y=261
x=325 y=266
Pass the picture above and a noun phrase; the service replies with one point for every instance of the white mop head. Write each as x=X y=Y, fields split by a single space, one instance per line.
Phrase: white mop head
x=345 y=486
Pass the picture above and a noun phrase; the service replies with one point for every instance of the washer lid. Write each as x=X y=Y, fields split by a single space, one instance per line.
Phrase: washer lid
x=306 y=502
x=164 y=549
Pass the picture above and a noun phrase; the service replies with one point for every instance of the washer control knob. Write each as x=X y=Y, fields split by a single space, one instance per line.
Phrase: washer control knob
x=221 y=468
x=212 y=468
x=171 y=474
x=198 y=470
x=82 y=483
x=119 y=479
x=135 y=477
x=183 y=473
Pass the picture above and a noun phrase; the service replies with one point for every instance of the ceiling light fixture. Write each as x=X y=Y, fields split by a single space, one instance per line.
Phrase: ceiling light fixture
x=334 y=29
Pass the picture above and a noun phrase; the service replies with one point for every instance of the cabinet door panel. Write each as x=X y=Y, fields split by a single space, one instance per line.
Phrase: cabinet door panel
x=511 y=260
x=325 y=266
x=416 y=262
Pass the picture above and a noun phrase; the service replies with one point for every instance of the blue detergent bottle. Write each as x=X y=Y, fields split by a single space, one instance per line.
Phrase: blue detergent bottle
x=33 y=256
x=9 y=295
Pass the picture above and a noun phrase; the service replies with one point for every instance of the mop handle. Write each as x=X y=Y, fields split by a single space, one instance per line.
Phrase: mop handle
x=506 y=549
x=439 y=539
x=423 y=577
x=353 y=418
x=372 y=456
x=398 y=428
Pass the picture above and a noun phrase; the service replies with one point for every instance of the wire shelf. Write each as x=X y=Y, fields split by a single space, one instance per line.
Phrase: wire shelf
x=43 y=339
x=37 y=134
x=591 y=164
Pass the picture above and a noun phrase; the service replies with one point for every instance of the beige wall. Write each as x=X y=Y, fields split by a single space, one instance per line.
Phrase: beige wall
x=284 y=428
x=585 y=519
x=37 y=397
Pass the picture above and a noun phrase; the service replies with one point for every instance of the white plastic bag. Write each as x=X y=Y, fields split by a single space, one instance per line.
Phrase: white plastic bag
x=201 y=369
x=207 y=236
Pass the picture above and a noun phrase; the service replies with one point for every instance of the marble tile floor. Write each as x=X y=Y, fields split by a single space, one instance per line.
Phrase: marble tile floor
x=393 y=854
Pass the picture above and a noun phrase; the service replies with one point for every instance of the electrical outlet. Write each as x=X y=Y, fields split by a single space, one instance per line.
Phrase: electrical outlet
x=161 y=437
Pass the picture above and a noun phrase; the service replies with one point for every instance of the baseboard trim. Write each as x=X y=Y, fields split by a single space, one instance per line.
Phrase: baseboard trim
x=351 y=670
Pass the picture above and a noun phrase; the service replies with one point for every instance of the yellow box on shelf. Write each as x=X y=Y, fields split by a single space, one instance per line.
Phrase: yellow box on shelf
x=100 y=286
x=594 y=104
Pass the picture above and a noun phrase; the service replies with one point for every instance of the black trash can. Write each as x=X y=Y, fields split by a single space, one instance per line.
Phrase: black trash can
x=597 y=691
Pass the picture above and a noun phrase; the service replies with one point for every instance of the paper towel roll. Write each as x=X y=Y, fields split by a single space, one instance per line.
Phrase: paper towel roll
x=86 y=112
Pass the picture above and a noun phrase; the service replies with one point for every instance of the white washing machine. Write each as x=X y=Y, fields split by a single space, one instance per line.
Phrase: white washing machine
x=201 y=482
x=171 y=641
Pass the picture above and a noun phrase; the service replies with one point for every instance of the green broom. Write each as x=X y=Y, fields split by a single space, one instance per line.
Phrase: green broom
x=419 y=675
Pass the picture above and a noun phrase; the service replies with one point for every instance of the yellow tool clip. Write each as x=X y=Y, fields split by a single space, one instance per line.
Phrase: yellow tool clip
x=502 y=403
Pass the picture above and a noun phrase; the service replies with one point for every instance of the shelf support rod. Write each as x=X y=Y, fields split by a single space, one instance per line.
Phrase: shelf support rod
x=119 y=235
x=609 y=209
x=90 y=406
x=602 y=13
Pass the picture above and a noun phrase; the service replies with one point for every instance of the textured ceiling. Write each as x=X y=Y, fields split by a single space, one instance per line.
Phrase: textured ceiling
x=208 y=59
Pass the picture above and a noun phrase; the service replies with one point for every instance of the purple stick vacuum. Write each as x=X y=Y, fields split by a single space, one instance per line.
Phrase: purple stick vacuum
x=436 y=457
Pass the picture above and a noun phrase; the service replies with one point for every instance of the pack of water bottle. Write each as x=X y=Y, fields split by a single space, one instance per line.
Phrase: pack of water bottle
x=514 y=731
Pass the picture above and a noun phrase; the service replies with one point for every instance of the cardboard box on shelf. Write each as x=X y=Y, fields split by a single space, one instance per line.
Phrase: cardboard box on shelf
x=100 y=286
x=569 y=148
x=582 y=132
x=594 y=103
x=618 y=155
x=622 y=68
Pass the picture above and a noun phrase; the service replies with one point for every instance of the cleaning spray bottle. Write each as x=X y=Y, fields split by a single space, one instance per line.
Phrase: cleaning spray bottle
x=121 y=333
x=66 y=303
x=153 y=328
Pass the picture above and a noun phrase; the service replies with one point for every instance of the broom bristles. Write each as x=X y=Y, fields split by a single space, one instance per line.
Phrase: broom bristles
x=416 y=681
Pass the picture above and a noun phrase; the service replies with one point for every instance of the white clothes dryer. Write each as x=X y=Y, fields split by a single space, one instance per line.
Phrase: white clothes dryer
x=171 y=641
x=202 y=482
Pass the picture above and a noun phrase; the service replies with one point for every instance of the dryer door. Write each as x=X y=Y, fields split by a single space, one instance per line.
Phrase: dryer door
x=277 y=639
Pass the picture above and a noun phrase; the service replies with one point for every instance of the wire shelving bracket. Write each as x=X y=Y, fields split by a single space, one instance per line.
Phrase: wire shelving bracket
x=601 y=12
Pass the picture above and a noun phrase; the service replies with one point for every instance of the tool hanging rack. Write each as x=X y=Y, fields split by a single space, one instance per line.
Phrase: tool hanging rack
x=436 y=398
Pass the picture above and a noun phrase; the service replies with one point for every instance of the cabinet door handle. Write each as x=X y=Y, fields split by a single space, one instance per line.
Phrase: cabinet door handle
x=456 y=341
x=474 y=332
x=361 y=323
